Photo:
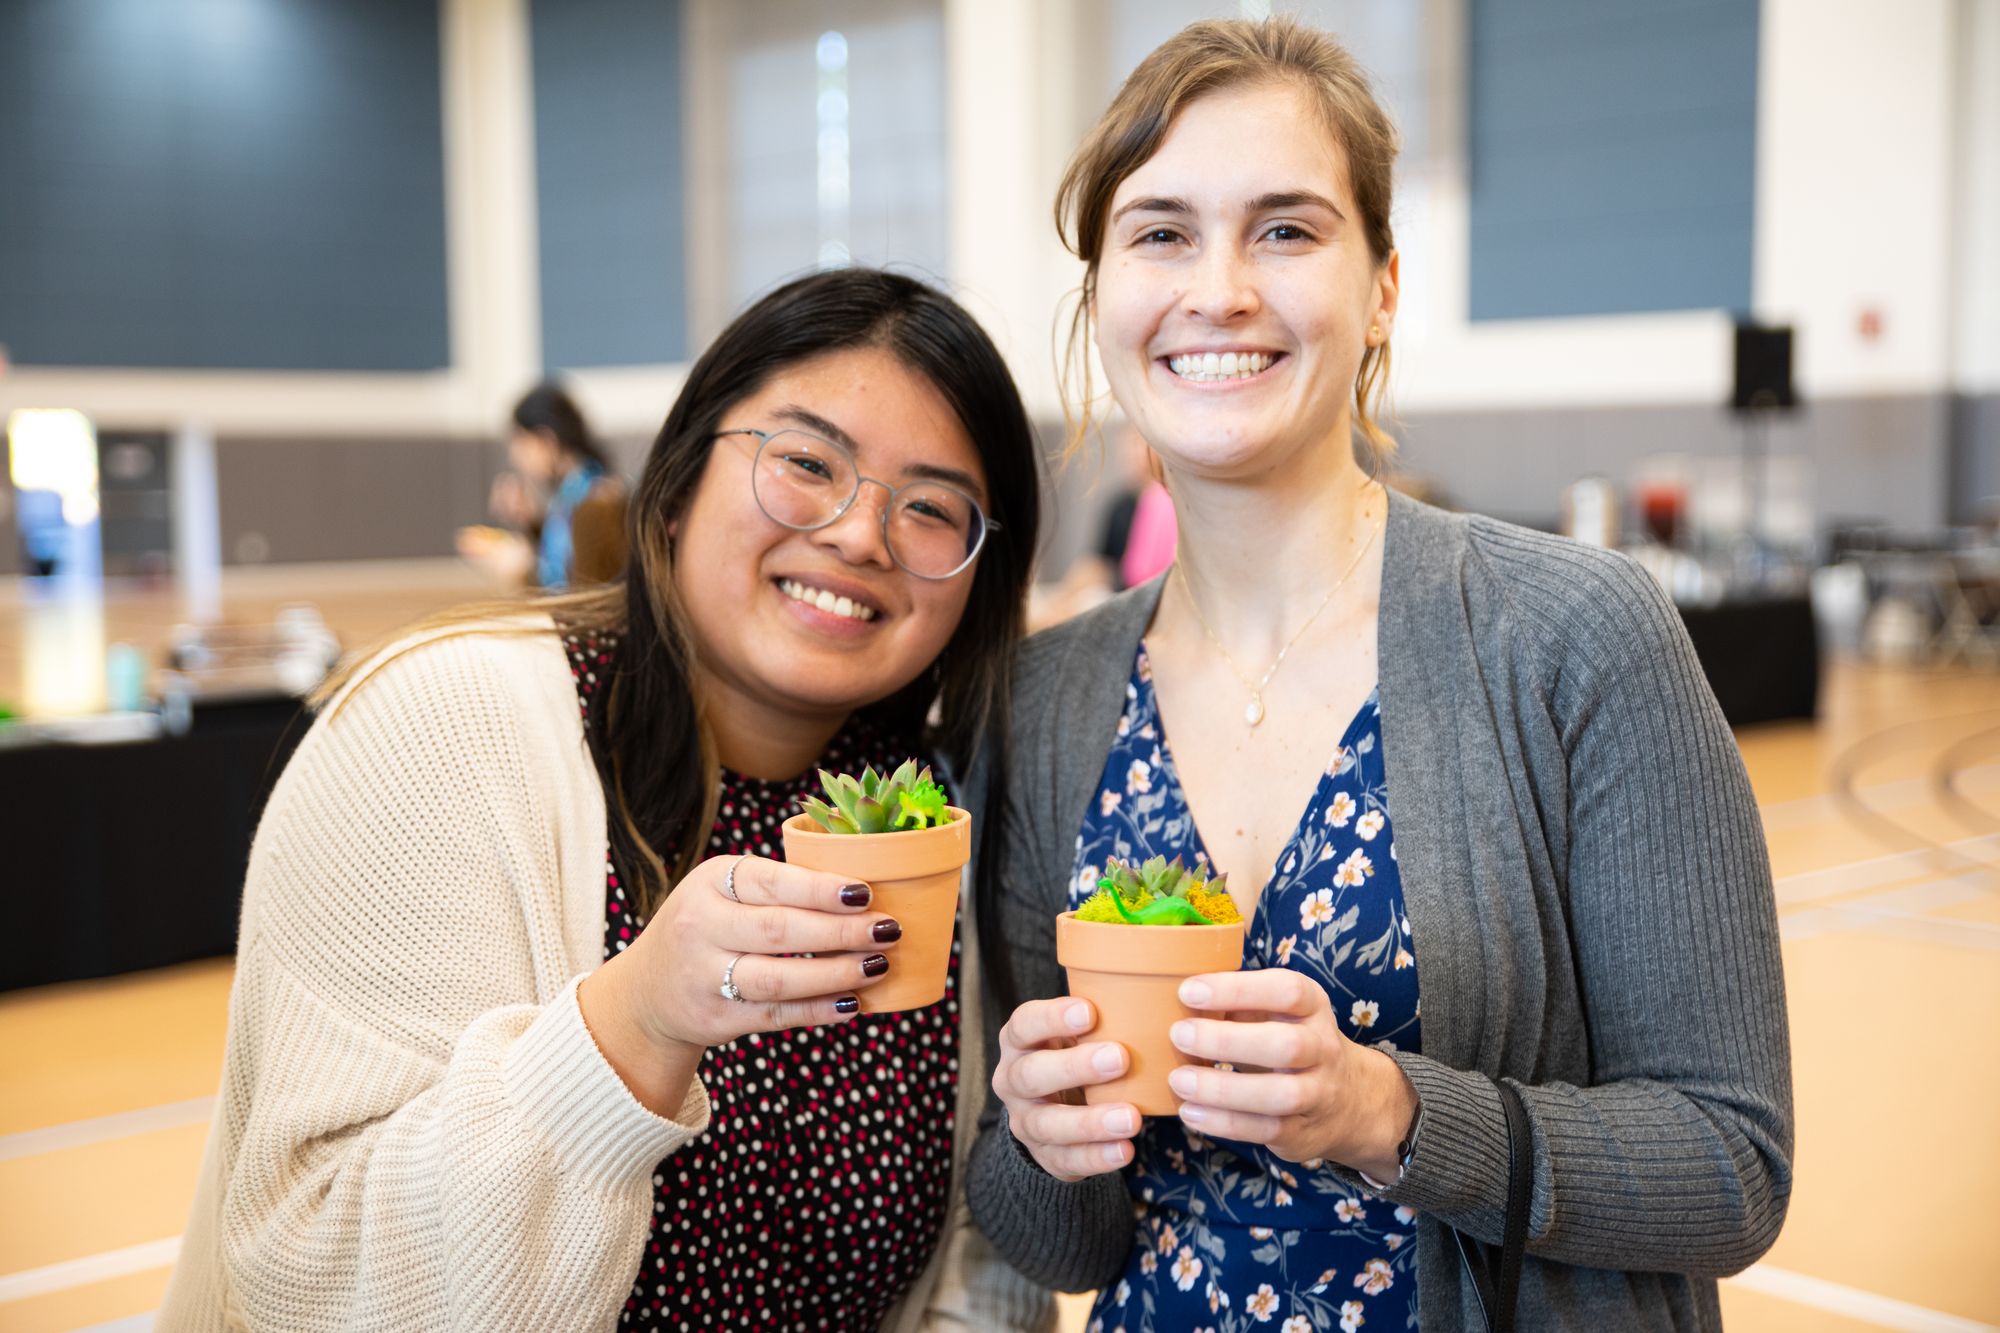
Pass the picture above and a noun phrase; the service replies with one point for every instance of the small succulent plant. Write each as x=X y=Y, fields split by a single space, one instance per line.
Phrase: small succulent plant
x=1160 y=892
x=878 y=802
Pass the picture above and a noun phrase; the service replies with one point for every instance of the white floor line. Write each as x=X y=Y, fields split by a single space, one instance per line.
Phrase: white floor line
x=1808 y=885
x=1905 y=913
x=91 y=1268
x=79 y=1133
x=138 y=1323
x=1853 y=1303
x=1883 y=796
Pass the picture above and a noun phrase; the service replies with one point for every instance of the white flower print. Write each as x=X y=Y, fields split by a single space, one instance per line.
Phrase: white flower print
x=1263 y=1303
x=1298 y=1323
x=1261 y=1233
x=1124 y=723
x=1364 y=1013
x=1168 y=1239
x=1217 y=1297
x=1321 y=1285
x=1139 y=777
x=1339 y=810
x=1353 y=870
x=1405 y=1214
x=1349 y=1210
x=1404 y=958
x=1086 y=880
x=1316 y=910
x=1148 y=1265
x=1124 y=1291
x=1376 y=1278
x=1186 y=1268
x=1369 y=825
x=1107 y=801
x=1285 y=947
x=1351 y=1317
x=1343 y=759
x=1393 y=1241
x=1282 y=1198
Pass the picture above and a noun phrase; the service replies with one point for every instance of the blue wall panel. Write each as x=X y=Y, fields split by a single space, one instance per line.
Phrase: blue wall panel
x=1613 y=155
x=253 y=184
x=608 y=166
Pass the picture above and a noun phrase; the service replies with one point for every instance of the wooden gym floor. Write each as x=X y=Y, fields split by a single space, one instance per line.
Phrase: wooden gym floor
x=1884 y=823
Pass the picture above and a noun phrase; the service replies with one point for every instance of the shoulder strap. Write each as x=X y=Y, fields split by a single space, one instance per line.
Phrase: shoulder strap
x=1497 y=1287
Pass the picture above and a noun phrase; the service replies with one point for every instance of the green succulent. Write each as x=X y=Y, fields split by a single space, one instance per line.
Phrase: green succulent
x=1159 y=892
x=878 y=803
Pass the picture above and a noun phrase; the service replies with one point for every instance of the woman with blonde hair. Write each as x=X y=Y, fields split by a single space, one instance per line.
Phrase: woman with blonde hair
x=1511 y=962
x=531 y=1027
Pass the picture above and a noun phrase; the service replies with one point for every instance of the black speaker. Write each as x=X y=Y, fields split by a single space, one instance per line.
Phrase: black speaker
x=1763 y=368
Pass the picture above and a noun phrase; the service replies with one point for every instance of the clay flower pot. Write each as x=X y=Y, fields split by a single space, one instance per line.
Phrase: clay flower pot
x=1133 y=975
x=915 y=875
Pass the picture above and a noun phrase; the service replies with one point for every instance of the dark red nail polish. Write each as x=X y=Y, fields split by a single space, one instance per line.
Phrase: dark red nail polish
x=887 y=932
x=856 y=895
x=847 y=1004
x=874 y=965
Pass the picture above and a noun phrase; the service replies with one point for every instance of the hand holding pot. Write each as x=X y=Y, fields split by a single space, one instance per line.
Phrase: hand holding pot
x=658 y=1005
x=1319 y=1095
x=1040 y=1059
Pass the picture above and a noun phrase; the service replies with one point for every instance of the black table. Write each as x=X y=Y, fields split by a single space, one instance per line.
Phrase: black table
x=121 y=857
x=1760 y=654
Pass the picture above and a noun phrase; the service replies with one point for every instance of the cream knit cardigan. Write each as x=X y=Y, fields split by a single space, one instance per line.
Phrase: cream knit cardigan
x=415 y=1129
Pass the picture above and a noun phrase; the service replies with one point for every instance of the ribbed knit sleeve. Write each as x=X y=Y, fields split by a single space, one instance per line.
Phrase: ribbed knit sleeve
x=415 y=1128
x=1677 y=1156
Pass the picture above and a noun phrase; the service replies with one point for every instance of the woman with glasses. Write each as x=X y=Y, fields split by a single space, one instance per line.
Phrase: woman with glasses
x=1511 y=937
x=531 y=1028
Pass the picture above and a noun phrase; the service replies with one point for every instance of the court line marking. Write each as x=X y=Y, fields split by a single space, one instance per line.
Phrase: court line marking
x=1809 y=885
x=91 y=1268
x=99 y=1129
x=1854 y=1303
x=1905 y=913
x=1803 y=811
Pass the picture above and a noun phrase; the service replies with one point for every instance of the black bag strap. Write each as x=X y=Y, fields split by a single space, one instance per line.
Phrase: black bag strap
x=1497 y=1292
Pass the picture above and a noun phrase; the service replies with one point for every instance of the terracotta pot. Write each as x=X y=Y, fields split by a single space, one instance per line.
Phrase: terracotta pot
x=1133 y=975
x=915 y=875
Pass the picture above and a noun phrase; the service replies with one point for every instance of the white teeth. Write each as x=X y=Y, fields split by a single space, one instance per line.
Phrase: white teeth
x=1203 y=367
x=826 y=601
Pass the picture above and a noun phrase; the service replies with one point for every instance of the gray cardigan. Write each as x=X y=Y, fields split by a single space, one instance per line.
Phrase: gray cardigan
x=1587 y=884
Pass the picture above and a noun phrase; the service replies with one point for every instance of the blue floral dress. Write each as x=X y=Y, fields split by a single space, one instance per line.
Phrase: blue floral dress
x=1230 y=1236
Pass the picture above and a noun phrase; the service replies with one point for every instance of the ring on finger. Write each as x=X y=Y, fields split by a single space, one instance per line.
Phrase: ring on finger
x=729 y=991
x=729 y=880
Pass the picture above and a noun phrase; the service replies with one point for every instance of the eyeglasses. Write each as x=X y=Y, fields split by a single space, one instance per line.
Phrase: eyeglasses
x=805 y=482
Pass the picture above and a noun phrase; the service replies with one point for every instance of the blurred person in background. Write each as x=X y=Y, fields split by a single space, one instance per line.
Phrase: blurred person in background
x=1135 y=539
x=531 y=1028
x=561 y=509
x=1424 y=747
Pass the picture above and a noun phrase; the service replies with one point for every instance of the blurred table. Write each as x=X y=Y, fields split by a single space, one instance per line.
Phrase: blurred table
x=130 y=855
x=121 y=846
x=1760 y=654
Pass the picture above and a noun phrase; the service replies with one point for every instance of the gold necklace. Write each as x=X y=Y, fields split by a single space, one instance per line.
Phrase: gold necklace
x=1253 y=713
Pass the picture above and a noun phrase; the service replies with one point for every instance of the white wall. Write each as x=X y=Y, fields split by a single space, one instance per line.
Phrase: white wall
x=1976 y=168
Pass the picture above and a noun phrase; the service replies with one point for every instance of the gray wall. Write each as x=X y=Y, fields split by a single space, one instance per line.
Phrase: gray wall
x=251 y=184
x=1613 y=154
x=607 y=81
x=1882 y=459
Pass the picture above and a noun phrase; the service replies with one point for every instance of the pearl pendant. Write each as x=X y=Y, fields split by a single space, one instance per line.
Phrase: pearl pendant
x=1253 y=713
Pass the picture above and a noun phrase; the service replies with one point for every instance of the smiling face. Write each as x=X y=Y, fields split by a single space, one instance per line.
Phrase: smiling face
x=1236 y=292
x=823 y=622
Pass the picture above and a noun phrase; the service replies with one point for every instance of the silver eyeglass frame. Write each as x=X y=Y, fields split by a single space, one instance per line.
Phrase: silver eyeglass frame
x=986 y=525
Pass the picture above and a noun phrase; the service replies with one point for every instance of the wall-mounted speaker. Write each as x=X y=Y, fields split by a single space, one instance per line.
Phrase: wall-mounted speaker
x=1763 y=368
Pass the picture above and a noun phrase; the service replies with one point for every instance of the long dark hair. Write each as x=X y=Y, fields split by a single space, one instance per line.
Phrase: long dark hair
x=547 y=410
x=656 y=761
x=658 y=767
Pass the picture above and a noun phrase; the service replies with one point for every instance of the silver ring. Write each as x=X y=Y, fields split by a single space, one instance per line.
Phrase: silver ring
x=729 y=991
x=729 y=880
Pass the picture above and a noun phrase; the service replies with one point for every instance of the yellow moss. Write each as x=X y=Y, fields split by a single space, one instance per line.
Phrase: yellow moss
x=1098 y=907
x=1217 y=907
